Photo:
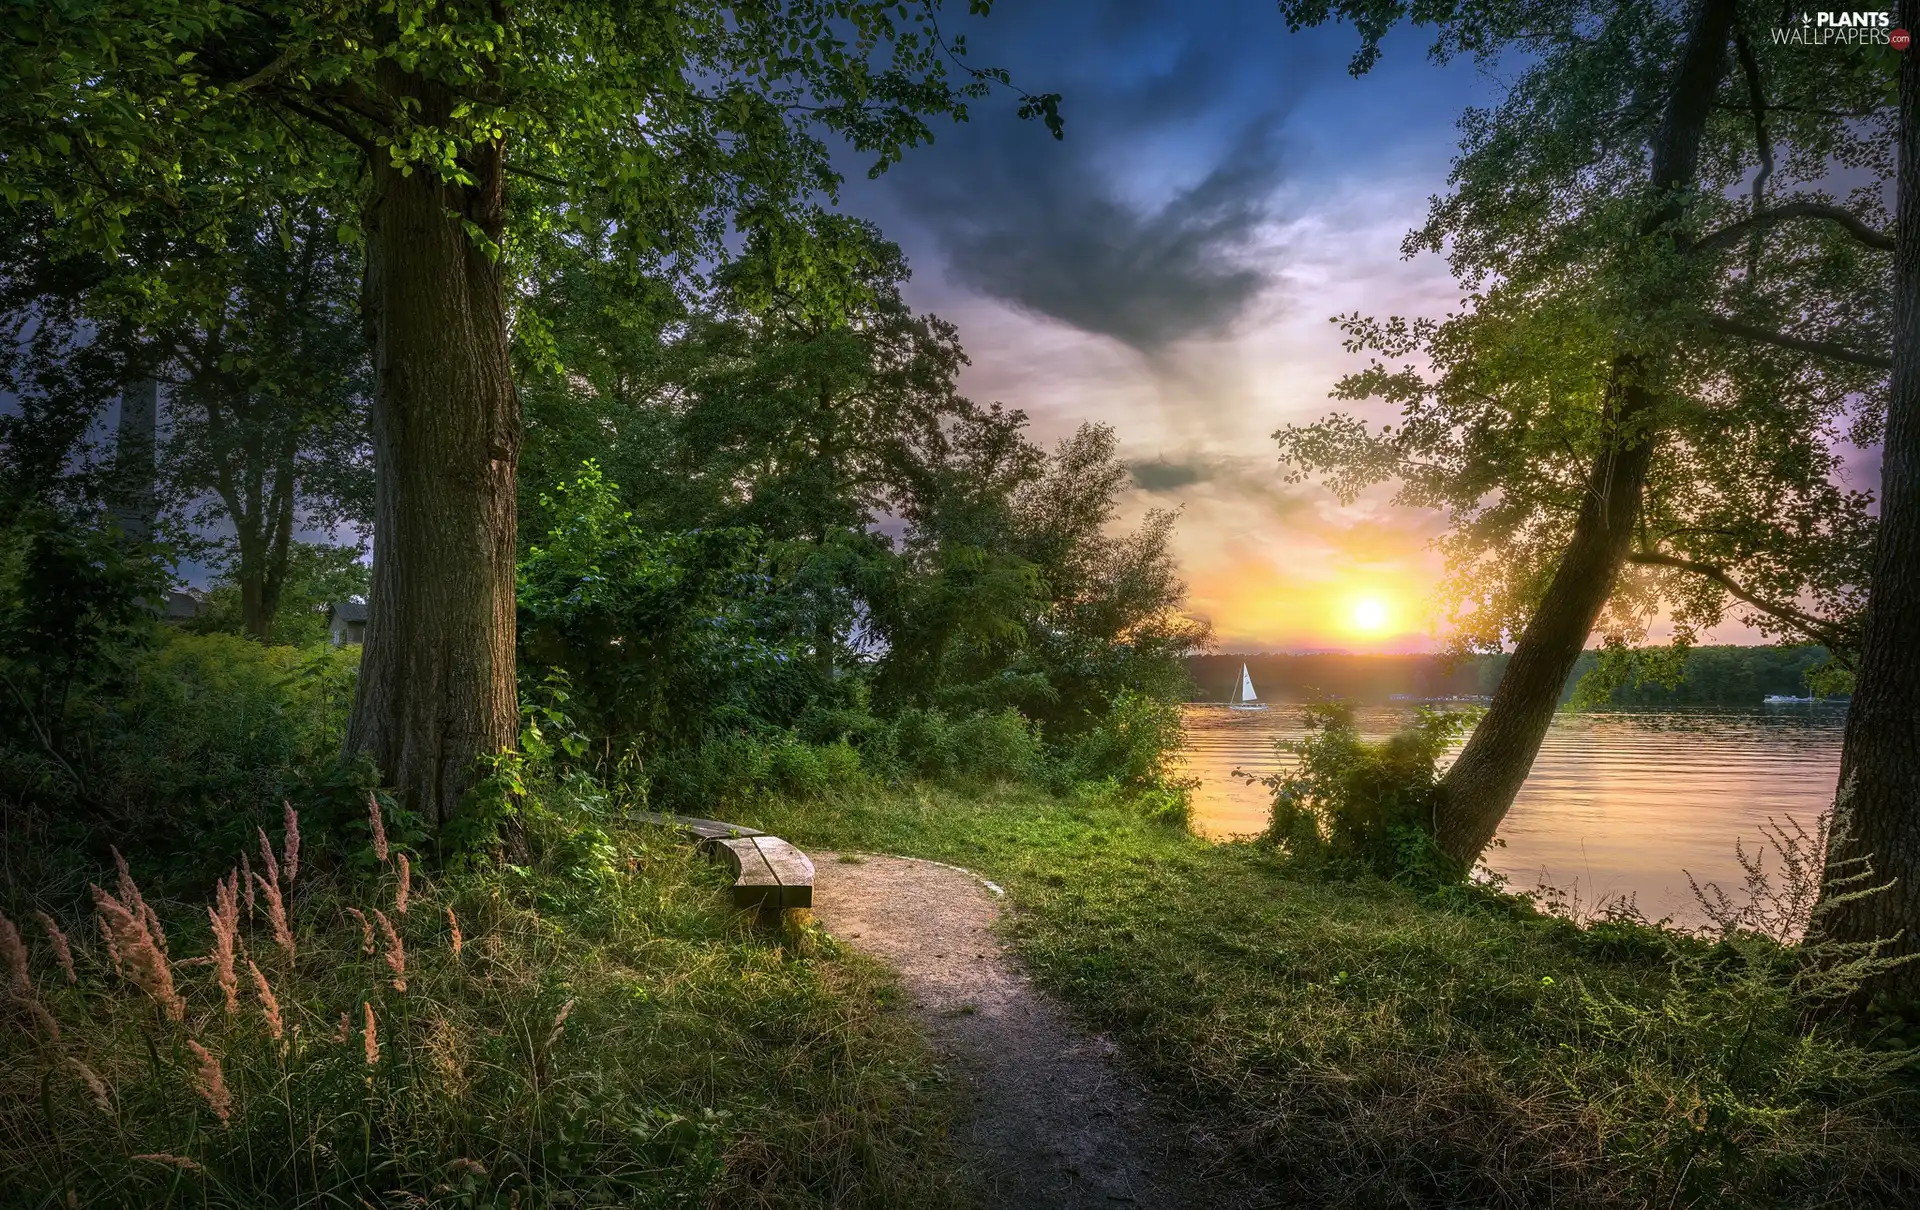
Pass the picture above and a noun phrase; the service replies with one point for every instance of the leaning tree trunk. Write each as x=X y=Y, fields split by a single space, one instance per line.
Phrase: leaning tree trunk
x=1482 y=783
x=436 y=687
x=1877 y=810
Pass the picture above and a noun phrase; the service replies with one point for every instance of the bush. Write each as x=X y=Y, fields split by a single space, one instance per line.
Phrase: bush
x=1133 y=743
x=1367 y=805
x=202 y=733
x=740 y=767
x=1001 y=746
x=920 y=743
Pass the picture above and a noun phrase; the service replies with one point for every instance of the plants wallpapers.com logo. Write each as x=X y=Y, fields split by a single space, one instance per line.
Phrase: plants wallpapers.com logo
x=1842 y=29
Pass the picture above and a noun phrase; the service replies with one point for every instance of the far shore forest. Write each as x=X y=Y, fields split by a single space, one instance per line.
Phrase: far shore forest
x=541 y=331
x=1712 y=675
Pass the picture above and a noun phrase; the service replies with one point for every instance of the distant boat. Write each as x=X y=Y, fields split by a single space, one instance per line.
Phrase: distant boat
x=1782 y=699
x=1244 y=698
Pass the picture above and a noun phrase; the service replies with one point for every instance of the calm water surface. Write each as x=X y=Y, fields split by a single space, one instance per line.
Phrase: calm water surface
x=1619 y=803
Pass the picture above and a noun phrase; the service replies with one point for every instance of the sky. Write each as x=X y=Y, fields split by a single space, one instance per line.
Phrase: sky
x=1171 y=267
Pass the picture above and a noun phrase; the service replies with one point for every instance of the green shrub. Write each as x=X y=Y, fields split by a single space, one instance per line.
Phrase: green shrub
x=1133 y=743
x=741 y=767
x=206 y=733
x=1000 y=746
x=795 y=770
x=1369 y=805
x=921 y=743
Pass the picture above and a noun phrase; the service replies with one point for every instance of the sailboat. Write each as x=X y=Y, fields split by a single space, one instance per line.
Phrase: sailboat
x=1244 y=698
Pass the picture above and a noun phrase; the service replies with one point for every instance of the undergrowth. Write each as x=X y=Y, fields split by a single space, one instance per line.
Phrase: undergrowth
x=607 y=1033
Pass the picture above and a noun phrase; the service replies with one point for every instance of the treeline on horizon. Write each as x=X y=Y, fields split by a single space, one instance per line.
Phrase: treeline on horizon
x=1721 y=675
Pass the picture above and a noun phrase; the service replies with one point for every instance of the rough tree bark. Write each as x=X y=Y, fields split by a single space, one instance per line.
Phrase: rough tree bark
x=1877 y=809
x=1481 y=785
x=436 y=684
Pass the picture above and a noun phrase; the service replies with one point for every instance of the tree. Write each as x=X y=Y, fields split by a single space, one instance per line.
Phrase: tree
x=1875 y=837
x=62 y=366
x=466 y=129
x=268 y=409
x=1619 y=421
x=1021 y=596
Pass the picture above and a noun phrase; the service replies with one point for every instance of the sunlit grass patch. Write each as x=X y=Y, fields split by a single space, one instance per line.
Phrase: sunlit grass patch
x=1361 y=1044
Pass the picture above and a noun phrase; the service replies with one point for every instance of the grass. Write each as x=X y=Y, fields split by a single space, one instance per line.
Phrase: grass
x=1360 y=1044
x=608 y=1034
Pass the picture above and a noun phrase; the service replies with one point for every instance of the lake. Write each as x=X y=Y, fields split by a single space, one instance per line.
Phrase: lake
x=1618 y=803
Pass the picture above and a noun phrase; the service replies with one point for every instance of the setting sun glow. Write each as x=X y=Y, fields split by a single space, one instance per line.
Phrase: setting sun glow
x=1370 y=615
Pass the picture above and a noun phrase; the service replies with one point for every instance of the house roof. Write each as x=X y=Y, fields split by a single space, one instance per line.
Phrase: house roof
x=185 y=603
x=347 y=611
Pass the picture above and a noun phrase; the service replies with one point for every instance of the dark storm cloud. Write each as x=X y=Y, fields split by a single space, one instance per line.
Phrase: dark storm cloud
x=1247 y=477
x=1043 y=232
x=1045 y=225
x=1163 y=475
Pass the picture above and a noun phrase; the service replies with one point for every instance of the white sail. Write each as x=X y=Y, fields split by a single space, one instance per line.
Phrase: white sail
x=1246 y=686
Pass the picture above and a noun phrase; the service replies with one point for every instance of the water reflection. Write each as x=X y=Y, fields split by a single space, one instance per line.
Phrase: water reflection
x=1619 y=802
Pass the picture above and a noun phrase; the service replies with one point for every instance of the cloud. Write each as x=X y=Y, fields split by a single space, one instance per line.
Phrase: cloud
x=1223 y=482
x=1145 y=225
x=1043 y=228
x=1162 y=475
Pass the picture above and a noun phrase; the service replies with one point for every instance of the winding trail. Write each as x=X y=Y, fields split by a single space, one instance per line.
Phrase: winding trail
x=1052 y=1123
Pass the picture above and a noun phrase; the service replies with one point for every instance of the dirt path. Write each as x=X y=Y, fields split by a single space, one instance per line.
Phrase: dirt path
x=1053 y=1124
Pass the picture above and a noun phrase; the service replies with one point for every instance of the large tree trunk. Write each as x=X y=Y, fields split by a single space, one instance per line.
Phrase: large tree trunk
x=1877 y=809
x=1481 y=785
x=437 y=673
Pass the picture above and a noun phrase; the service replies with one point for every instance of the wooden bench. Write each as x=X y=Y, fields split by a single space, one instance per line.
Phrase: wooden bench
x=768 y=873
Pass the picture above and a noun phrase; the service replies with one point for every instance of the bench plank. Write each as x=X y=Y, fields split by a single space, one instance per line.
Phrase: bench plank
x=703 y=829
x=768 y=871
x=754 y=884
x=792 y=868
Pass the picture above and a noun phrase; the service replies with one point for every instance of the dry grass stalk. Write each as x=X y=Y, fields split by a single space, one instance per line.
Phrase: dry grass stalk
x=20 y=979
x=212 y=1082
x=175 y=1161
x=291 y=819
x=130 y=896
x=269 y=1005
x=396 y=952
x=152 y=921
x=559 y=1023
x=267 y=862
x=346 y=1029
x=246 y=881
x=370 y=1036
x=366 y=929
x=224 y=916
x=453 y=923
x=277 y=913
x=379 y=827
x=467 y=1167
x=62 y=952
x=44 y=1017
x=141 y=960
x=113 y=947
x=96 y=1086
x=404 y=890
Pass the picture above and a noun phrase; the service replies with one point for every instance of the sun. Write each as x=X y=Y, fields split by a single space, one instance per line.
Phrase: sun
x=1370 y=614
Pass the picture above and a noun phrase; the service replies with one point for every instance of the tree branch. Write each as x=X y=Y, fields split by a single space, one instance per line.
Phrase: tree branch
x=1763 y=143
x=1821 y=348
x=1828 y=634
x=1854 y=225
x=513 y=169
